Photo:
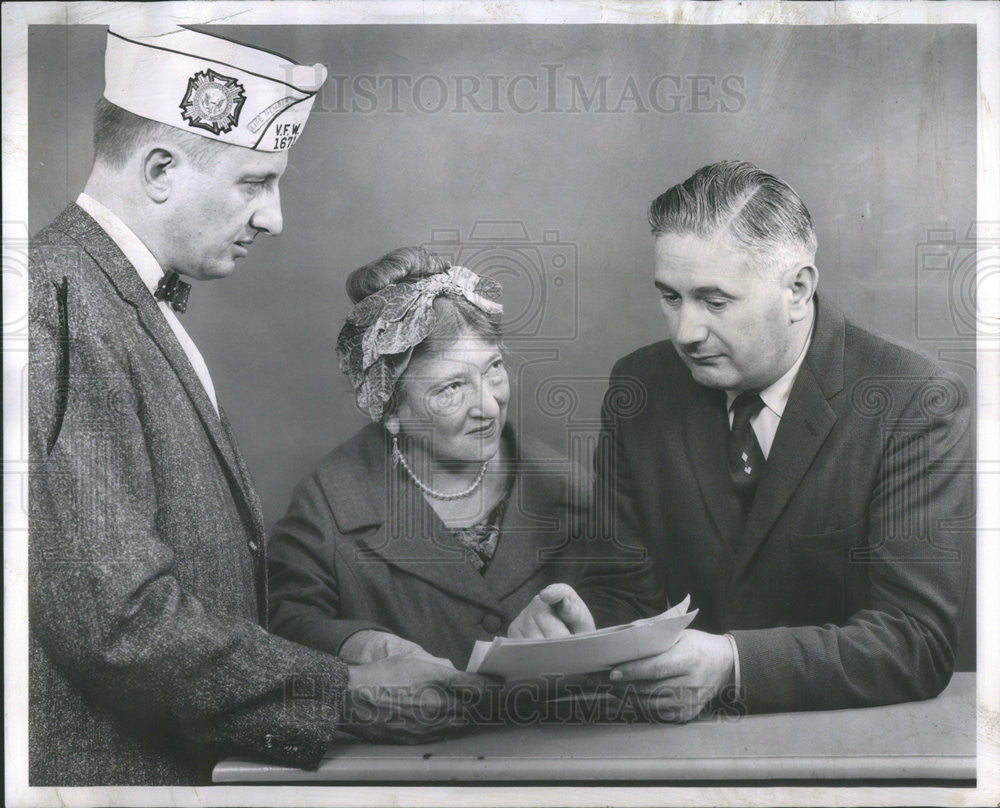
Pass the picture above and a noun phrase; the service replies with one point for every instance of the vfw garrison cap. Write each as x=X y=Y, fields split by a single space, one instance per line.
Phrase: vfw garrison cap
x=210 y=86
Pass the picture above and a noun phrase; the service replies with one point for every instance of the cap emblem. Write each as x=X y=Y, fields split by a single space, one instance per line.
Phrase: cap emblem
x=212 y=102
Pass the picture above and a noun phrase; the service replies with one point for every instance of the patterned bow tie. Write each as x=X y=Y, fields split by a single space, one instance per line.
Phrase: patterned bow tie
x=172 y=289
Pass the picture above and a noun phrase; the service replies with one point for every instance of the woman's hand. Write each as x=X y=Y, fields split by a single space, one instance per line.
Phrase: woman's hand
x=370 y=645
x=556 y=611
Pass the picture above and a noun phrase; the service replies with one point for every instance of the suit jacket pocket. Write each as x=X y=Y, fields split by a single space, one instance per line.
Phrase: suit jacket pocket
x=828 y=541
x=62 y=374
x=827 y=584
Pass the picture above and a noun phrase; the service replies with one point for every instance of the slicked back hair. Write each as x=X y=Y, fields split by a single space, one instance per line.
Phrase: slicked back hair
x=118 y=133
x=758 y=212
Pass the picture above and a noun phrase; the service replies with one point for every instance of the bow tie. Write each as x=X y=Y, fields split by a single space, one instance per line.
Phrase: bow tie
x=172 y=289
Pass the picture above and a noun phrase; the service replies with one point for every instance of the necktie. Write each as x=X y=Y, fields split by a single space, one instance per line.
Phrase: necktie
x=172 y=289
x=746 y=460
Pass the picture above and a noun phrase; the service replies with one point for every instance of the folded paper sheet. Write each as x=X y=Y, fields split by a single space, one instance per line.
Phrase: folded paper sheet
x=516 y=659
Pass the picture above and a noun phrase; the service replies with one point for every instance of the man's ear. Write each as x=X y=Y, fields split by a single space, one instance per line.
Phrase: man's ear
x=801 y=283
x=158 y=172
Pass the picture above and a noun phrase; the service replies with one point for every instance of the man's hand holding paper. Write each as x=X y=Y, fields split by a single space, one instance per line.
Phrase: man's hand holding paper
x=519 y=658
x=679 y=682
x=407 y=698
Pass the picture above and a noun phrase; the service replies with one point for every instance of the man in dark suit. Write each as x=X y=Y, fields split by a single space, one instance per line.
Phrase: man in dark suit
x=806 y=481
x=147 y=580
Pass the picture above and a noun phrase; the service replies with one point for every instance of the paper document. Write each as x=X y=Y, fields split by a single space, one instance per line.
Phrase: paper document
x=581 y=653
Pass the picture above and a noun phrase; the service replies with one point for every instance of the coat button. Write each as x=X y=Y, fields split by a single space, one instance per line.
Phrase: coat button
x=269 y=741
x=254 y=547
x=291 y=749
x=491 y=623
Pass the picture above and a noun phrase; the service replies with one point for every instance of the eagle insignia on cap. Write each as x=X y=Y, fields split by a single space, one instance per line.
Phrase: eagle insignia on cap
x=213 y=101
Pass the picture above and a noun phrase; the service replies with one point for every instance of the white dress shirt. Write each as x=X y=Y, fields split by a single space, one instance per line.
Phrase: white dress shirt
x=150 y=272
x=775 y=398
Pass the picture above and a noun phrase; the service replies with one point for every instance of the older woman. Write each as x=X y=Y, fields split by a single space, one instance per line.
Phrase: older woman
x=435 y=525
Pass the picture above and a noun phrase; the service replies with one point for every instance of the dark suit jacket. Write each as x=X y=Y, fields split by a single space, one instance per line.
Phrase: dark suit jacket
x=147 y=661
x=361 y=548
x=844 y=585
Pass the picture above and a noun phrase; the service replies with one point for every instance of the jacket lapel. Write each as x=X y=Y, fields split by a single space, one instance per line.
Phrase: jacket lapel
x=258 y=549
x=706 y=433
x=530 y=534
x=75 y=223
x=410 y=535
x=249 y=489
x=804 y=426
x=414 y=539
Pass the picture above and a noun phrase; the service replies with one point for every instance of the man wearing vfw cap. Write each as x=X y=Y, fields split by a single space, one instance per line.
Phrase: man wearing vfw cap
x=146 y=557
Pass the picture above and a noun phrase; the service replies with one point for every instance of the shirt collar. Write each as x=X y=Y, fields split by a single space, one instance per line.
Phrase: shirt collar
x=775 y=395
x=129 y=243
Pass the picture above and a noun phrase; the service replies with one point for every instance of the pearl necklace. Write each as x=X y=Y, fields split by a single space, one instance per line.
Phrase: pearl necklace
x=397 y=458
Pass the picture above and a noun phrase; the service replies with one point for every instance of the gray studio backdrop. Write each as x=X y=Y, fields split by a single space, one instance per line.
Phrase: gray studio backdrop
x=531 y=153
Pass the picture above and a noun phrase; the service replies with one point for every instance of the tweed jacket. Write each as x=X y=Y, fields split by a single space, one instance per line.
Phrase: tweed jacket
x=843 y=585
x=360 y=548
x=146 y=563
